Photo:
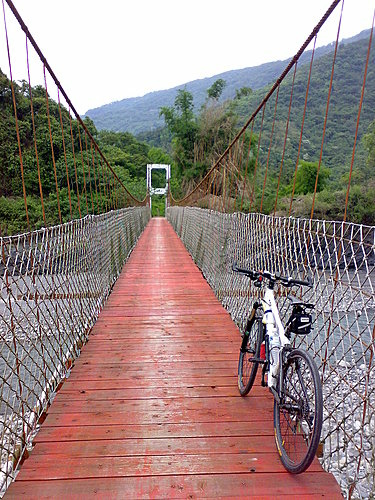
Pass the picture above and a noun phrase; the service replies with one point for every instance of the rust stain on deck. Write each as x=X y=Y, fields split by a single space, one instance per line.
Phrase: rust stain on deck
x=151 y=409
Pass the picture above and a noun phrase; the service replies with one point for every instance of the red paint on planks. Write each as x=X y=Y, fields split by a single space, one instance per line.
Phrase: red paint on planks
x=151 y=407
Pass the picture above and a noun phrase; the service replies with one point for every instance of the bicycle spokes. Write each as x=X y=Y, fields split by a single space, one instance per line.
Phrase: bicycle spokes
x=298 y=415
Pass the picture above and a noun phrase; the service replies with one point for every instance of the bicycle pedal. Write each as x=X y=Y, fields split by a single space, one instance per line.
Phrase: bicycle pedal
x=261 y=361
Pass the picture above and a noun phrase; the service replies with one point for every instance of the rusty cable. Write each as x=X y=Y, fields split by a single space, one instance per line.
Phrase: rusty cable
x=16 y=121
x=75 y=164
x=327 y=109
x=52 y=148
x=302 y=127
x=247 y=164
x=358 y=117
x=283 y=75
x=252 y=195
x=65 y=157
x=93 y=167
x=285 y=138
x=269 y=147
x=34 y=135
x=68 y=101
x=83 y=168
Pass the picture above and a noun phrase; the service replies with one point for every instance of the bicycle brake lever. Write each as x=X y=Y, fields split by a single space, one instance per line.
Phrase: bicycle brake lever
x=258 y=283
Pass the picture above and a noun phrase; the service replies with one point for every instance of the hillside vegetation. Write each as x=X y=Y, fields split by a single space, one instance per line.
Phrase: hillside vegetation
x=128 y=156
x=195 y=128
x=199 y=140
x=141 y=114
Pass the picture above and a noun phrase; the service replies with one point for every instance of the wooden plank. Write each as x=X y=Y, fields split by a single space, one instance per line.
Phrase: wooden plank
x=72 y=385
x=158 y=393
x=151 y=431
x=156 y=447
x=158 y=415
x=51 y=467
x=309 y=486
x=107 y=370
x=151 y=408
x=241 y=406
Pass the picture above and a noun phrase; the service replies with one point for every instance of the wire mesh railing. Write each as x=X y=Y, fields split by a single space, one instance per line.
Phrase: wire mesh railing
x=339 y=258
x=54 y=284
x=55 y=279
x=290 y=157
x=52 y=169
x=281 y=146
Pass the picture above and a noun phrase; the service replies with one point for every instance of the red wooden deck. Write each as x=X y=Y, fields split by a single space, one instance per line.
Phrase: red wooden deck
x=151 y=409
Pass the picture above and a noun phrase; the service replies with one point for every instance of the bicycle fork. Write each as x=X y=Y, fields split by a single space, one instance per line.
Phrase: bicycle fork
x=249 y=325
x=278 y=392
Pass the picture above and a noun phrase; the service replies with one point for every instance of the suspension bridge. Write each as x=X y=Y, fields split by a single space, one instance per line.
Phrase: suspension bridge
x=120 y=332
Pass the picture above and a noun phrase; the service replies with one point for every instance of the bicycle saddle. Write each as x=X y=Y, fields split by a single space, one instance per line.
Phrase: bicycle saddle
x=298 y=302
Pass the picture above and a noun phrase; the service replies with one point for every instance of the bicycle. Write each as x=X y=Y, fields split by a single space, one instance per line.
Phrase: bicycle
x=292 y=375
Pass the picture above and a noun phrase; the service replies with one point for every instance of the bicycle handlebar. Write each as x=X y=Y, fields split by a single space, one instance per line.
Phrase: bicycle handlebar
x=259 y=275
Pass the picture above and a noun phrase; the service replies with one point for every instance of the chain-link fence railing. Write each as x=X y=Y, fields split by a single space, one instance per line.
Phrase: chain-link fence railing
x=54 y=284
x=339 y=258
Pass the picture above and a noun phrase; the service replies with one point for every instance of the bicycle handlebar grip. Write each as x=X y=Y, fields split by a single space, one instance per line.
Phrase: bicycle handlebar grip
x=247 y=272
x=301 y=282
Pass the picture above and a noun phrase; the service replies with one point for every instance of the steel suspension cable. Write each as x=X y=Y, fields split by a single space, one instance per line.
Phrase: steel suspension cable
x=270 y=146
x=65 y=157
x=247 y=164
x=16 y=120
x=327 y=108
x=94 y=171
x=302 y=127
x=83 y=168
x=285 y=137
x=89 y=172
x=67 y=100
x=34 y=135
x=52 y=147
x=252 y=195
x=358 y=117
x=274 y=87
x=75 y=165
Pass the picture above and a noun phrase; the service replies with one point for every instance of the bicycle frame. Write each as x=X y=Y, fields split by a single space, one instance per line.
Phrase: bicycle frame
x=292 y=375
x=271 y=320
x=269 y=306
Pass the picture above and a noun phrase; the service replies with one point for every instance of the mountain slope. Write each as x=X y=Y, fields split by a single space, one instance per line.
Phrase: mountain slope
x=343 y=109
x=140 y=114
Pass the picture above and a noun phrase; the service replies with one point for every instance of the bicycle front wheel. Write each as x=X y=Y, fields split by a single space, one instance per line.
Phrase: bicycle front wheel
x=299 y=415
x=249 y=357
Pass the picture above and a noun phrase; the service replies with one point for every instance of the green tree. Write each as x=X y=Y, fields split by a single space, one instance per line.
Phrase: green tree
x=369 y=143
x=243 y=92
x=216 y=89
x=216 y=126
x=181 y=122
x=306 y=177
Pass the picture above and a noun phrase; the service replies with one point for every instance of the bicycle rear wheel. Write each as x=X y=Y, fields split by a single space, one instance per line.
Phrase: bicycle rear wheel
x=299 y=415
x=249 y=353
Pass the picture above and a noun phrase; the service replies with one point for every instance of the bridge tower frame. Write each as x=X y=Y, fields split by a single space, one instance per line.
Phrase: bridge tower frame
x=158 y=191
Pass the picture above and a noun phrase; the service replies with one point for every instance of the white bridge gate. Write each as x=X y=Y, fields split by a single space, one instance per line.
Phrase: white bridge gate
x=158 y=191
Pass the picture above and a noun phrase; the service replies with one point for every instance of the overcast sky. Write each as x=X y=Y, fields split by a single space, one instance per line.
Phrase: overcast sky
x=108 y=50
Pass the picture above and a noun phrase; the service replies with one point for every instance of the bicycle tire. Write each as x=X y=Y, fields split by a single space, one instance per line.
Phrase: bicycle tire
x=299 y=415
x=247 y=369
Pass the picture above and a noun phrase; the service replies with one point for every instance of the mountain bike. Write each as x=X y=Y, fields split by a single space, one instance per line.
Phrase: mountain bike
x=292 y=375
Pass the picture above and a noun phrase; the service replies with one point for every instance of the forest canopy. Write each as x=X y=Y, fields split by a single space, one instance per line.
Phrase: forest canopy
x=194 y=137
